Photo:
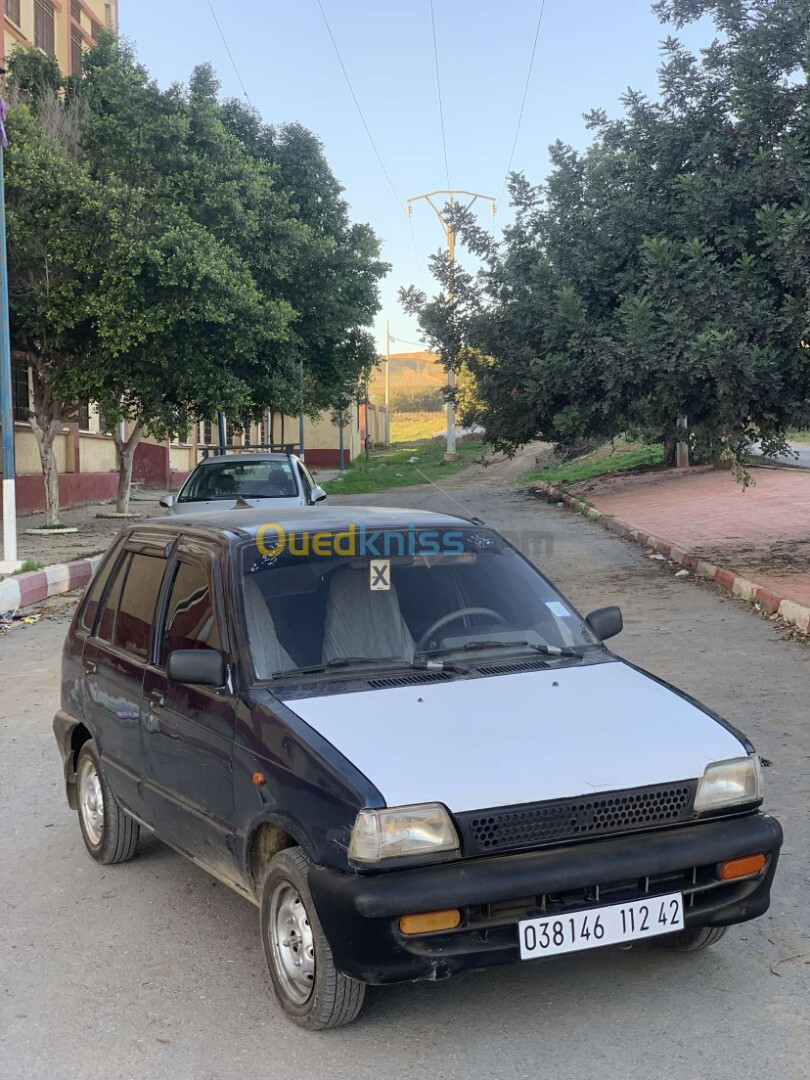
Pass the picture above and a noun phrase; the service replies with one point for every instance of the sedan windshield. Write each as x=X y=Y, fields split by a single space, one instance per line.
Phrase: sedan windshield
x=251 y=480
x=405 y=597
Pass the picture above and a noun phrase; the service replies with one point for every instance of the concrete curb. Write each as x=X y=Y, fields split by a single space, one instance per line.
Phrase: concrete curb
x=769 y=601
x=26 y=589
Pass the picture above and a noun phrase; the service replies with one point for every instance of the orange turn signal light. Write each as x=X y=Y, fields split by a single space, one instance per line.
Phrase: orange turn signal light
x=258 y=778
x=429 y=921
x=743 y=867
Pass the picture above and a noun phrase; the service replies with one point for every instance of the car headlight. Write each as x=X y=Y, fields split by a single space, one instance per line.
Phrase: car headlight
x=730 y=783
x=403 y=830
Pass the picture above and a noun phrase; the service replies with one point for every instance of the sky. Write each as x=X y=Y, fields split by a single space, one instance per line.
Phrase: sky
x=588 y=53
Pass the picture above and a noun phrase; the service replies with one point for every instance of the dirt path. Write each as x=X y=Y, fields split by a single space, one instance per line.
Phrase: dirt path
x=498 y=469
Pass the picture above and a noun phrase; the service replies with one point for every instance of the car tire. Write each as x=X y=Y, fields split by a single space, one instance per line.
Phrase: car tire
x=109 y=834
x=694 y=940
x=308 y=986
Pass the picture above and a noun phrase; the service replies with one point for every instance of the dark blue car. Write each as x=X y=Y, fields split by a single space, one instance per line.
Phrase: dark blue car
x=390 y=732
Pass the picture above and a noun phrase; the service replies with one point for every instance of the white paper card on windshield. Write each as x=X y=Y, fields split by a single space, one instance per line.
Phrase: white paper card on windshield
x=558 y=609
x=380 y=572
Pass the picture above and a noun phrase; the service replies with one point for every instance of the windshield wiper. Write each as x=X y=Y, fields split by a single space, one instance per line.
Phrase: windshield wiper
x=545 y=650
x=424 y=664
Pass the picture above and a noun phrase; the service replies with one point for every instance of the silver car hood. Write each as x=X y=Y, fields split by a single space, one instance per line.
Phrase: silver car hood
x=207 y=506
x=526 y=737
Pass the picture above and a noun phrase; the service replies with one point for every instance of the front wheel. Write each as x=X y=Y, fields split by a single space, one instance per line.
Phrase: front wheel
x=109 y=834
x=309 y=988
x=694 y=940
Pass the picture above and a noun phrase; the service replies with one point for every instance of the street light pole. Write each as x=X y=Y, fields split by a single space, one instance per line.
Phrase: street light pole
x=387 y=384
x=450 y=234
x=9 y=562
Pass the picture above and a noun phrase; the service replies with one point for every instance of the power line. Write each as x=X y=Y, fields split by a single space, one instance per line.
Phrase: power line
x=523 y=102
x=439 y=89
x=230 y=54
x=357 y=105
x=404 y=341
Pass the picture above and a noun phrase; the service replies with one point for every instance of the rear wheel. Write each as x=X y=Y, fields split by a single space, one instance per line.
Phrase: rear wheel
x=309 y=988
x=694 y=940
x=109 y=834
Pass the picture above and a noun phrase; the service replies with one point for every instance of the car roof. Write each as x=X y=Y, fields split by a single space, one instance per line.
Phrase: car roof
x=241 y=459
x=246 y=522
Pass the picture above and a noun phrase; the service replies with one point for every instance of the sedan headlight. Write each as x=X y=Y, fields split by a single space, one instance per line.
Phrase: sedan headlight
x=403 y=830
x=729 y=783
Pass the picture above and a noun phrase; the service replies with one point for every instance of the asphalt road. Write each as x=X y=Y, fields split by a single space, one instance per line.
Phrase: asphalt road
x=799 y=458
x=151 y=969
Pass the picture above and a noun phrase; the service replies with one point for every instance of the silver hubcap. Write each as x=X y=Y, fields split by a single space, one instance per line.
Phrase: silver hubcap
x=291 y=943
x=91 y=801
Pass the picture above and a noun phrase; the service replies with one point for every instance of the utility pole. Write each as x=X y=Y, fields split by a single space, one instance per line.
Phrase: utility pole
x=387 y=384
x=450 y=235
x=301 y=413
x=9 y=562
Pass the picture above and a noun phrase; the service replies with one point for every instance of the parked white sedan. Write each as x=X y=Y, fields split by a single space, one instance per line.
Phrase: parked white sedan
x=225 y=483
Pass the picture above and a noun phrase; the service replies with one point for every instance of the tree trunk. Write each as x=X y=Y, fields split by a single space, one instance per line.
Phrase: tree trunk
x=46 y=436
x=46 y=418
x=125 y=454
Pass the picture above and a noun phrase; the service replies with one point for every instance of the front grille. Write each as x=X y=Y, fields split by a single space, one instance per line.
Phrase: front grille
x=386 y=681
x=535 y=824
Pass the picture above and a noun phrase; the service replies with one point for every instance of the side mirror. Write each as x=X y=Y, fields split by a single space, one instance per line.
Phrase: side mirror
x=200 y=667
x=317 y=495
x=168 y=501
x=606 y=622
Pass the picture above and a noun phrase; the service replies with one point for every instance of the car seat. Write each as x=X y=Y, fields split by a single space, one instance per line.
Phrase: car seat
x=362 y=622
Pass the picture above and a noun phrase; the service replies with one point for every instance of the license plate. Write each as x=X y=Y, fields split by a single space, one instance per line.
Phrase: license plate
x=611 y=925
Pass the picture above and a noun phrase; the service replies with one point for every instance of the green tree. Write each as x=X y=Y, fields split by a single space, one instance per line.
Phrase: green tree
x=663 y=271
x=56 y=219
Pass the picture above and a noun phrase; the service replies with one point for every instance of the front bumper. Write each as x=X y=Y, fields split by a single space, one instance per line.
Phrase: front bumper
x=360 y=913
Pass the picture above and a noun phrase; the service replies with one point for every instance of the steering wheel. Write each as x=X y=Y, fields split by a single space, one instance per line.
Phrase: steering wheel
x=452 y=617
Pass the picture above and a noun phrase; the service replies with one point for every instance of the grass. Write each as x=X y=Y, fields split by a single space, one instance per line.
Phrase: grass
x=408 y=427
x=607 y=459
x=388 y=469
x=27 y=566
x=799 y=436
x=53 y=528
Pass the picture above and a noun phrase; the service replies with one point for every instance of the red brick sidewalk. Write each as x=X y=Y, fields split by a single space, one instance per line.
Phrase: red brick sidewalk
x=762 y=533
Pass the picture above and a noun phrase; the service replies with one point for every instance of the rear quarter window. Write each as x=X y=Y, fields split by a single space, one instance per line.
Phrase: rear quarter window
x=95 y=591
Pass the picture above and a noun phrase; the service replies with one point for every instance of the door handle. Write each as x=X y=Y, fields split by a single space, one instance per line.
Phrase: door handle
x=157 y=697
x=151 y=722
x=91 y=668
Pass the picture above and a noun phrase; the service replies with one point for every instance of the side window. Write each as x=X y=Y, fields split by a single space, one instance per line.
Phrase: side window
x=306 y=483
x=106 y=626
x=94 y=593
x=136 y=612
x=191 y=621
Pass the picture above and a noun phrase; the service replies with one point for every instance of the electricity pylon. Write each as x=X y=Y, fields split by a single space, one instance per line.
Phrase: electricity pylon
x=450 y=235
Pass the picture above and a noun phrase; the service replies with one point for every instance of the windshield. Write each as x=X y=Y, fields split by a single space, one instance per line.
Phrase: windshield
x=359 y=596
x=251 y=480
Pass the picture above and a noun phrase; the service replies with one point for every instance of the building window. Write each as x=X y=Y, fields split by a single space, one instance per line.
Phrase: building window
x=95 y=29
x=83 y=415
x=204 y=432
x=75 y=53
x=75 y=11
x=43 y=26
x=12 y=9
x=20 y=396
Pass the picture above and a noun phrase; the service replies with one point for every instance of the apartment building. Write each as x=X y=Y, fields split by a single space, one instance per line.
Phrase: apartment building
x=59 y=27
